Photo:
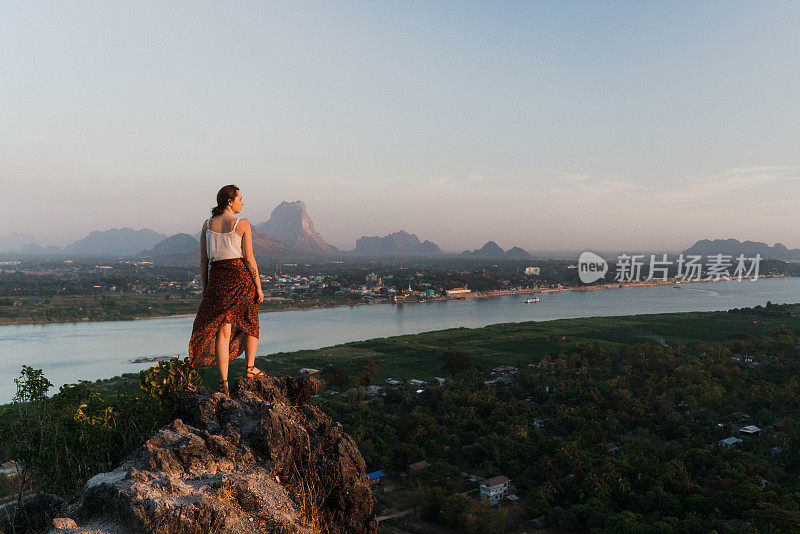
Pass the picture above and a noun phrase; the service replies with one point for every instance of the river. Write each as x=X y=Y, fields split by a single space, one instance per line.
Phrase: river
x=68 y=352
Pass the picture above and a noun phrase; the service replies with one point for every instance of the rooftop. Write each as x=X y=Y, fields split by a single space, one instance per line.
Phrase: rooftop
x=495 y=481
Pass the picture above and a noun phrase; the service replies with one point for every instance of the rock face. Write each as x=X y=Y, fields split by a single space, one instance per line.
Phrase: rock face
x=258 y=461
x=290 y=221
x=267 y=247
x=397 y=244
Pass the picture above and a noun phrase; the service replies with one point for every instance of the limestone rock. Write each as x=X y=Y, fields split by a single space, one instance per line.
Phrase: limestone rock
x=290 y=221
x=258 y=461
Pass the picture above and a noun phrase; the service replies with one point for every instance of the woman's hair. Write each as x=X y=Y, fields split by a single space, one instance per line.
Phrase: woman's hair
x=225 y=194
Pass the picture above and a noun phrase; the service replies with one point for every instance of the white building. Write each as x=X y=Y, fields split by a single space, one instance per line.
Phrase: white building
x=750 y=430
x=532 y=271
x=455 y=292
x=495 y=488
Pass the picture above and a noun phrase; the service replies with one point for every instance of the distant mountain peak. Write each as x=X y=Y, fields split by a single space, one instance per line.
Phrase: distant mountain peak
x=400 y=243
x=174 y=244
x=290 y=222
x=494 y=251
x=13 y=241
x=734 y=247
x=115 y=242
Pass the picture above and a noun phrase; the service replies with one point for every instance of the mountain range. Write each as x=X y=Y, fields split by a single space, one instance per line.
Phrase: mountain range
x=734 y=247
x=397 y=244
x=290 y=233
x=115 y=242
x=12 y=242
x=299 y=239
x=492 y=250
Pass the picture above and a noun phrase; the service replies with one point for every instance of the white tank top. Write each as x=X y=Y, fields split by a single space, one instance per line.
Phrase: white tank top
x=223 y=246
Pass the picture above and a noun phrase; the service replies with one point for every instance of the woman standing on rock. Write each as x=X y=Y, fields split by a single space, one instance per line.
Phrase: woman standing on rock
x=227 y=319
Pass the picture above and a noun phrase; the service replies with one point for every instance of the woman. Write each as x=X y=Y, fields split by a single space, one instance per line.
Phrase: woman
x=227 y=319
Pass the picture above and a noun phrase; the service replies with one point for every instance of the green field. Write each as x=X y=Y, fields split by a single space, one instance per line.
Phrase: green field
x=517 y=344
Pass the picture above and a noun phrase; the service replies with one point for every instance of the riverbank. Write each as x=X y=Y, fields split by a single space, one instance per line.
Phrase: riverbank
x=106 y=307
x=408 y=356
x=116 y=307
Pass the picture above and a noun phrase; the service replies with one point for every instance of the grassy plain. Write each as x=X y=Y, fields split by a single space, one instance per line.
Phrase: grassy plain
x=517 y=344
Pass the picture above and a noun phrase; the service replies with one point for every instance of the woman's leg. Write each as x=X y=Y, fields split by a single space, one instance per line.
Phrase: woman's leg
x=250 y=346
x=222 y=350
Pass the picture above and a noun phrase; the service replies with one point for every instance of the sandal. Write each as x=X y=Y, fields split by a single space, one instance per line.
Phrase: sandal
x=223 y=388
x=250 y=374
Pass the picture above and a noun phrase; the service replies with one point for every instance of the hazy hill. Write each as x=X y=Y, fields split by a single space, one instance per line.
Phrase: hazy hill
x=290 y=222
x=32 y=249
x=397 y=244
x=517 y=252
x=13 y=241
x=174 y=244
x=492 y=250
x=734 y=247
x=115 y=242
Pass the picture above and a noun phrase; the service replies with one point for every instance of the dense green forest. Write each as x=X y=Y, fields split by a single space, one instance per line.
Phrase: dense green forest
x=631 y=432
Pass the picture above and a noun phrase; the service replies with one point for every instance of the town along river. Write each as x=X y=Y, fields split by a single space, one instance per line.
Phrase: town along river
x=68 y=352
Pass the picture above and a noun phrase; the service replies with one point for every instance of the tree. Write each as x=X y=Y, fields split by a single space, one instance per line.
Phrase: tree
x=367 y=369
x=456 y=362
x=338 y=375
x=25 y=430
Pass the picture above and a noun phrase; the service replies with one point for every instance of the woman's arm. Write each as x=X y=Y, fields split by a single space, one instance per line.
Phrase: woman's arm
x=203 y=257
x=249 y=259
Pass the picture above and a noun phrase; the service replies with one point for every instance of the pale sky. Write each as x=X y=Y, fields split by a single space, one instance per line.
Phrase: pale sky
x=548 y=125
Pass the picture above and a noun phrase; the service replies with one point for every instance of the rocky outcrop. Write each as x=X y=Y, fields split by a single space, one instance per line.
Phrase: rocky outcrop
x=397 y=244
x=268 y=248
x=290 y=221
x=258 y=461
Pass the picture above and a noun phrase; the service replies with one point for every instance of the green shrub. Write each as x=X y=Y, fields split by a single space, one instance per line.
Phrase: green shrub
x=171 y=379
x=6 y=487
x=63 y=440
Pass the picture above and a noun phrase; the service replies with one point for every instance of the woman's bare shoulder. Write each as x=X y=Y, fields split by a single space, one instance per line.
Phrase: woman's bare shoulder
x=243 y=227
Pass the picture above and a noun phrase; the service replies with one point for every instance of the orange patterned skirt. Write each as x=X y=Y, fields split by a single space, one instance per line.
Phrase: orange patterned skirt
x=230 y=297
